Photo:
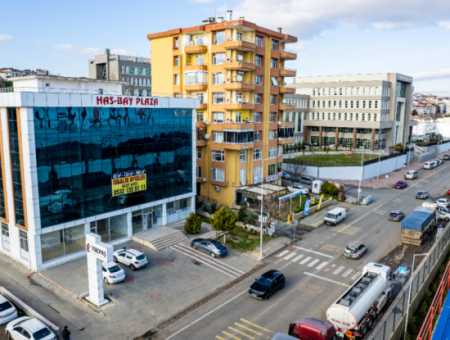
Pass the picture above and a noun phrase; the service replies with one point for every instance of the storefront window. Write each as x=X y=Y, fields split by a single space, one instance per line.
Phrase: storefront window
x=24 y=245
x=74 y=239
x=137 y=222
x=52 y=245
x=118 y=226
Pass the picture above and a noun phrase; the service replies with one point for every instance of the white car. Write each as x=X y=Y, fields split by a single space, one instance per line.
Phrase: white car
x=7 y=311
x=131 y=258
x=442 y=202
x=296 y=187
x=112 y=273
x=25 y=328
x=439 y=161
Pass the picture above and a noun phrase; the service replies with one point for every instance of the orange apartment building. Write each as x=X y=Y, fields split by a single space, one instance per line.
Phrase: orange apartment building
x=238 y=71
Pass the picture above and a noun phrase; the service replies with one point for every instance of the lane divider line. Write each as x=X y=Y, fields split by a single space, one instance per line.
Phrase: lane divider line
x=306 y=260
x=329 y=280
x=315 y=252
x=320 y=266
x=313 y=263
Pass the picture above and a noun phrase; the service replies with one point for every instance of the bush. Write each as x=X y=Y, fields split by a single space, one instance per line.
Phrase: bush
x=242 y=212
x=249 y=218
x=329 y=188
x=213 y=208
x=400 y=146
x=224 y=219
x=193 y=224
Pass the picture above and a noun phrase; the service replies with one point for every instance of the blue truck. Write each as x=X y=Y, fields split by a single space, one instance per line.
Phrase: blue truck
x=416 y=227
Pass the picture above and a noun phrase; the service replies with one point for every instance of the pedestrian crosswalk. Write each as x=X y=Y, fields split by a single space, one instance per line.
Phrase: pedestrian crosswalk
x=317 y=263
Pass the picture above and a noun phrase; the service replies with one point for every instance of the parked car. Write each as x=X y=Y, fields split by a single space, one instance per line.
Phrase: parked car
x=210 y=246
x=447 y=157
x=411 y=174
x=355 y=251
x=28 y=328
x=112 y=273
x=365 y=199
x=306 y=180
x=130 y=257
x=435 y=164
x=297 y=187
x=7 y=310
x=443 y=202
x=308 y=328
x=267 y=284
x=423 y=195
x=448 y=192
x=429 y=165
x=400 y=185
x=396 y=215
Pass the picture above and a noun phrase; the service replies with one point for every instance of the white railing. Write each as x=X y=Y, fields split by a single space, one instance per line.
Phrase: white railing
x=240 y=39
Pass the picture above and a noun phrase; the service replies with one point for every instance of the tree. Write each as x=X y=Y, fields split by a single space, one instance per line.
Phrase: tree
x=400 y=147
x=213 y=208
x=224 y=219
x=193 y=224
x=414 y=112
x=242 y=212
x=273 y=209
x=249 y=218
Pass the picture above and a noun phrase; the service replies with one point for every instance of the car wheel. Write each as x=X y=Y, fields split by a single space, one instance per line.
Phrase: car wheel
x=447 y=219
x=132 y=267
x=363 y=330
x=116 y=260
x=267 y=296
x=194 y=246
x=105 y=280
x=282 y=287
x=213 y=255
x=8 y=335
x=370 y=322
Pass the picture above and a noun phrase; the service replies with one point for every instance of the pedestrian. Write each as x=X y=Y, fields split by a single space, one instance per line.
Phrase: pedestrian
x=66 y=333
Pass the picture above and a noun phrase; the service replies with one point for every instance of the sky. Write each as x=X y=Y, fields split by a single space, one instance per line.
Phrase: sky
x=334 y=37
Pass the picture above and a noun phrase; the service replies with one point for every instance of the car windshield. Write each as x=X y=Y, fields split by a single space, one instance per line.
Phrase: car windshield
x=5 y=306
x=140 y=257
x=351 y=249
x=264 y=281
x=215 y=243
x=421 y=193
x=330 y=215
x=114 y=269
x=393 y=214
x=41 y=334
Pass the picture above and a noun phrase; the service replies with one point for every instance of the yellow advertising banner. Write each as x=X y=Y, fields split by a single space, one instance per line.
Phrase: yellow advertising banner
x=128 y=182
x=320 y=202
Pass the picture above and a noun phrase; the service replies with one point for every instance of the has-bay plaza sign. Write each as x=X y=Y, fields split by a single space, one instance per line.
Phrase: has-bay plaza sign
x=127 y=101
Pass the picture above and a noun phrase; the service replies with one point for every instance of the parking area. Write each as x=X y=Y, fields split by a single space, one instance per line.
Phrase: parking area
x=173 y=279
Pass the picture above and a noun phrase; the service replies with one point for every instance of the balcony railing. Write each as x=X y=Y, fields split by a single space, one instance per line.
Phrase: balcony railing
x=202 y=64
x=240 y=61
x=195 y=82
x=240 y=81
x=288 y=69
x=194 y=43
x=241 y=39
x=288 y=51
x=239 y=102
x=242 y=122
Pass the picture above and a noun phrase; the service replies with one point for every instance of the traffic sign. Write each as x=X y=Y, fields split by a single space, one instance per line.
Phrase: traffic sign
x=359 y=189
x=402 y=270
x=382 y=151
x=387 y=149
x=307 y=204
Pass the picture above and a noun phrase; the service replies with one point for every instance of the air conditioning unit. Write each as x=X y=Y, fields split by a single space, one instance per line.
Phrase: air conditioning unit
x=216 y=188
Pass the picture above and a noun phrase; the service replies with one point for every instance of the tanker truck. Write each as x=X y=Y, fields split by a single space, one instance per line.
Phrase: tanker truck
x=354 y=312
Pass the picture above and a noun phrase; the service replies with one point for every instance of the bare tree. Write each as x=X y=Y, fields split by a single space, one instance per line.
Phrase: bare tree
x=276 y=210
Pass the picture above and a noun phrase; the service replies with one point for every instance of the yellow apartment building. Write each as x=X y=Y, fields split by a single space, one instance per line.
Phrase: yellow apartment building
x=238 y=71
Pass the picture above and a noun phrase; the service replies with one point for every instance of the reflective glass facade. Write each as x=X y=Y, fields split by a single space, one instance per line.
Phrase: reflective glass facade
x=81 y=151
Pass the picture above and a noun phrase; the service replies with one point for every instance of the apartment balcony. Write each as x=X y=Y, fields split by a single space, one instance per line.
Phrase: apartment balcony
x=285 y=141
x=198 y=86
x=284 y=107
x=286 y=124
x=238 y=146
x=190 y=67
x=239 y=105
x=240 y=65
x=240 y=45
x=230 y=124
x=239 y=85
x=201 y=125
x=195 y=49
x=203 y=106
x=287 y=72
x=287 y=90
x=201 y=133
x=288 y=55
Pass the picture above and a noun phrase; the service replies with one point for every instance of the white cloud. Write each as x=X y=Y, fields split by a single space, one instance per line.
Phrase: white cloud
x=4 y=37
x=202 y=0
x=300 y=46
x=309 y=18
x=445 y=24
x=92 y=50
x=432 y=75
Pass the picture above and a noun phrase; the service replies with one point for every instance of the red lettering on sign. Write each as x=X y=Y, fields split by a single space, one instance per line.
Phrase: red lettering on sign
x=131 y=101
x=155 y=102
x=125 y=101
x=138 y=100
x=111 y=100
x=106 y=100
x=99 y=100
x=147 y=101
x=151 y=101
x=119 y=100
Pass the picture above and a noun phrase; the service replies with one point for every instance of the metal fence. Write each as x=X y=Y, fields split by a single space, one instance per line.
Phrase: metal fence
x=397 y=310
x=398 y=154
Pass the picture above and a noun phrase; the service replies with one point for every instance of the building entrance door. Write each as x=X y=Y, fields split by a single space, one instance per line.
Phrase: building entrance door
x=148 y=221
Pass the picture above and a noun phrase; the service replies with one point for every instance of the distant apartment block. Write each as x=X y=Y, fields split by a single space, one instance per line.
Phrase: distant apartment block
x=10 y=72
x=366 y=110
x=298 y=115
x=428 y=110
x=135 y=71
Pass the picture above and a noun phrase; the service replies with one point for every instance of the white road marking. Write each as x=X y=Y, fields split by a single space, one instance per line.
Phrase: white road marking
x=354 y=277
x=320 y=266
x=306 y=260
x=330 y=267
x=284 y=253
x=347 y=273
x=297 y=258
x=313 y=263
x=289 y=256
x=337 y=271
x=329 y=280
x=315 y=252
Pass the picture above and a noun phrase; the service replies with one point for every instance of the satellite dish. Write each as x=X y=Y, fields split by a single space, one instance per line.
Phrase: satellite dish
x=204 y=179
x=279 y=123
x=207 y=121
x=207 y=136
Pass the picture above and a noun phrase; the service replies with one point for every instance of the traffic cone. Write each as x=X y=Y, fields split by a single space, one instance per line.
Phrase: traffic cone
x=290 y=248
x=278 y=255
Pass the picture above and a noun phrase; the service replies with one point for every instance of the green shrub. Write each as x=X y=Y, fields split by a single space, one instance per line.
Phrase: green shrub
x=224 y=219
x=400 y=145
x=249 y=218
x=213 y=208
x=193 y=224
x=242 y=212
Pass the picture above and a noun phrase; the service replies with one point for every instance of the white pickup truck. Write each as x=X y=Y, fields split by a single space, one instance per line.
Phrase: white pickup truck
x=442 y=213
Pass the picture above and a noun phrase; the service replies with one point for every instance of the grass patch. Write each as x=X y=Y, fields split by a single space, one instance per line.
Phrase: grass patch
x=331 y=159
x=205 y=219
x=244 y=241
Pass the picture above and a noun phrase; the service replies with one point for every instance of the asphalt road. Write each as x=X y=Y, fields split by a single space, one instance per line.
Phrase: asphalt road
x=316 y=271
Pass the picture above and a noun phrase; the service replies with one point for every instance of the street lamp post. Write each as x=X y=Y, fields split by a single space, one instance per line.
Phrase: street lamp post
x=261 y=232
x=409 y=294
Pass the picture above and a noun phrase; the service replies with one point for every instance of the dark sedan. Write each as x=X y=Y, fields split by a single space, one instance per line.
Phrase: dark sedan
x=396 y=216
x=400 y=185
x=209 y=246
x=423 y=195
x=267 y=284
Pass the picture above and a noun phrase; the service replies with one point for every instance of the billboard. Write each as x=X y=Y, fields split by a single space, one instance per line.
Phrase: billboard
x=127 y=182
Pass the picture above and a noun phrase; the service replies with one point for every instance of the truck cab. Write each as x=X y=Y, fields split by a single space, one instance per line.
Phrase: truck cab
x=308 y=328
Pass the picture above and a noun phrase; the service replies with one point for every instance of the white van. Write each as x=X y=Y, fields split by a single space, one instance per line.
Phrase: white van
x=428 y=165
x=335 y=216
x=411 y=174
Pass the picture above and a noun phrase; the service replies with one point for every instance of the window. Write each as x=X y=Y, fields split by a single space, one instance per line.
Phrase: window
x=273 y=63
x=218 y=156
x=238 y=137
x=257 y=177
x=218 y=58
x=218 y=136
x=219 y=38
x=218 y=78
x=376 y=103
x=199 y=117
x=242 y=156
x=199 y=59
x=274 y=45
x=357 y=104
x=313 y=103
x=273 y=99
x=176 y=43
x=140 y=71
x=130 y=70
x=280 y=150
x=147 y=71
x=272 y=152
x=257 y=98
x=257 y=154
x=374 y=117
x=368 y=117
x=124 y=69
x=218 y=98
x=242 y=176
x=258 y=117
x=364 y=104
x=218 y=175
x=239 y=36
x=329 y=104
x=363 y=116
x=218 y=117
x=258 y=60
x=199 y=153
x=259 y=41
x=272 y=134
x=334 y=103
x=272 y=117
x=356 y=116
x=257 y=135
x=198 y=172
x=258 y=79
x=176 y=79
x=329 y=116
x=273 y=81
x=272 y=169
x=369 y=103
x=314 y=92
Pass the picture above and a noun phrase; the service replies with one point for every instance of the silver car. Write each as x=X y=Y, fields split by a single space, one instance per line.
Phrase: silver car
x=355 y=251
x=209 y=246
